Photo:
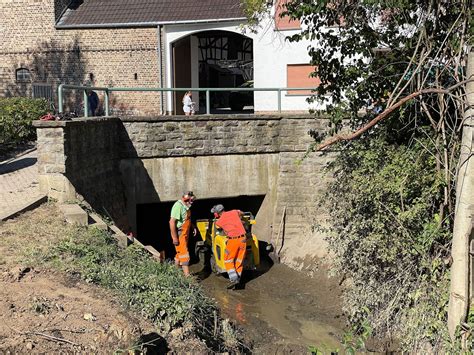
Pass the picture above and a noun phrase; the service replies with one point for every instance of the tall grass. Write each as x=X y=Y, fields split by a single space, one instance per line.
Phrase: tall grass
x=159 y=292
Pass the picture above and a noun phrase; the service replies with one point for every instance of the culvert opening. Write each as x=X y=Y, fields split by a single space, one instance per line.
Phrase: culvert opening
x=153 y=219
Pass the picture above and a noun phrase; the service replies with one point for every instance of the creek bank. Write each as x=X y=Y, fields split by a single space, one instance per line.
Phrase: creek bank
x=45 y=310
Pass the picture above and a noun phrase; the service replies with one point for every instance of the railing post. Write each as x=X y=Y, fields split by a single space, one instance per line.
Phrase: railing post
x=279 y=100
x=106 y=99
x=86 y=104
x=208 y=102
x=60 y=98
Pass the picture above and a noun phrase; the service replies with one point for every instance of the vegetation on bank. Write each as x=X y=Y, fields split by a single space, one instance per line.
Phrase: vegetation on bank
x=16 y=116
x=389 y=241
x=157 y=291
x=396 y=71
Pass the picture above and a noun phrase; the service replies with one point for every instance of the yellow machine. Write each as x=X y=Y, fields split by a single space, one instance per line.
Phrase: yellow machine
x=214 y=241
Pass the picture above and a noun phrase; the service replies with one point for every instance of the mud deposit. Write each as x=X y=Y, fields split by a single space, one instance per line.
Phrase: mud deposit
x=281 y=310
x=46 y=312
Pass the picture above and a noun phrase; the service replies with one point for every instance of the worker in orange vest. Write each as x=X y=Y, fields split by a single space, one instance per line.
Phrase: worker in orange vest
x=180 y=227
x=231 y=223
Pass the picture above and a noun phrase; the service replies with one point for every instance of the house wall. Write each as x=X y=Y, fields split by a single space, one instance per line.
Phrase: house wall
x=272 y=54
x=29 y=39
x=113 y=56
x=270 y=44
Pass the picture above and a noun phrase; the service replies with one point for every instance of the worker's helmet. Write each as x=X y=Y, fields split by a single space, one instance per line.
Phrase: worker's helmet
x=217 y=209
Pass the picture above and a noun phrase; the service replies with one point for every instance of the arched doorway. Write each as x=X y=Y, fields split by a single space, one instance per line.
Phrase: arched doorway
x=216 y=59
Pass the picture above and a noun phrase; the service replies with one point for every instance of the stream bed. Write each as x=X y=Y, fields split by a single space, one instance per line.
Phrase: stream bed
x=282 y=310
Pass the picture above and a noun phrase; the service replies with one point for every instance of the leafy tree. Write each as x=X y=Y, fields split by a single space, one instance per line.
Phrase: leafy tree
x=396 y=70
x=378 y=55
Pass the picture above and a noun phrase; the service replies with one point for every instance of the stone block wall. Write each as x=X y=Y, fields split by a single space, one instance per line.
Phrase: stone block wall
x=301 y=190
x=169 y=136
x=52 y=163
x=112 y=56
x=79 y=160
x=302 y=183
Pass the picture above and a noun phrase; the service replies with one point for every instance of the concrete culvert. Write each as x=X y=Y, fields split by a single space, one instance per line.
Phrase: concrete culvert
x=153 y=220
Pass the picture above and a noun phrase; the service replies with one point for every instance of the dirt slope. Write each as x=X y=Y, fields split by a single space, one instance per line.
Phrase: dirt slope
x=44 y=311
x=37 y=306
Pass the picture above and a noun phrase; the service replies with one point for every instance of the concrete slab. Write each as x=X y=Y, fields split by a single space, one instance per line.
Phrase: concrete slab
x=96 y=221
x=155 y=253
x=122 y=238
x=29 y=205
x=74 y=214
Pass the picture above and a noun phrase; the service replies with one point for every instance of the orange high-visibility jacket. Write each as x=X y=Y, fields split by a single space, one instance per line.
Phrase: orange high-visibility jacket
x=231 y=223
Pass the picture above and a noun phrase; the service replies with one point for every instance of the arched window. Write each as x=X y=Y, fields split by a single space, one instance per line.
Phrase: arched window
x=23 y=75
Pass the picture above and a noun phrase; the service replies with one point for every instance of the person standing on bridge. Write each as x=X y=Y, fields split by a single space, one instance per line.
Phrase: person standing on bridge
x=188 y=104
x=231 y=223
x=92 y=103
x=180 y=227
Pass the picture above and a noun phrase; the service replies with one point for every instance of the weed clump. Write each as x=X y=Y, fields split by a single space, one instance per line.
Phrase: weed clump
x=157 y=291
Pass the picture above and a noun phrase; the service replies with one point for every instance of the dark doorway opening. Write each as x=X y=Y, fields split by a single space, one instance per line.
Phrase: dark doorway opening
x=182 y=71
x=221 y=59
x=153 y=219
x=226 y=60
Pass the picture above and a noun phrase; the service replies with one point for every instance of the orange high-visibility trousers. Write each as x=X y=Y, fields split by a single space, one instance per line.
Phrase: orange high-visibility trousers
x=182 y=252
x=234 y=256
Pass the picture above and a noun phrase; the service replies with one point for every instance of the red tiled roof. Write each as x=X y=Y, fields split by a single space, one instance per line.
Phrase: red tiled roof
x=110 y=13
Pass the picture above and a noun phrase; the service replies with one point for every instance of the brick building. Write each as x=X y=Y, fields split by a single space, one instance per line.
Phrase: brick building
x=161 y=43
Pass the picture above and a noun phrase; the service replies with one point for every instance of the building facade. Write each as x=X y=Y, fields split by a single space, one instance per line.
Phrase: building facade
x=150 y=44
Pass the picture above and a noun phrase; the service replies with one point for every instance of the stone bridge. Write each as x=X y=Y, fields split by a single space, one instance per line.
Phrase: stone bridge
x=123 y=167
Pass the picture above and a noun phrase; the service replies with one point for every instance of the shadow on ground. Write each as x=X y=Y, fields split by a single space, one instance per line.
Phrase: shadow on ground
x=151 y=344
x=17 y=165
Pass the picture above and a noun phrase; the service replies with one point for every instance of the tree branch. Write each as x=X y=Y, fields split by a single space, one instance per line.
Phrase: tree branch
x=50 y=337
x=385 y=114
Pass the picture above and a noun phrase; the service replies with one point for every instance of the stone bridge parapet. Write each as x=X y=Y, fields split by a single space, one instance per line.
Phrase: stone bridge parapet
x=171 y=136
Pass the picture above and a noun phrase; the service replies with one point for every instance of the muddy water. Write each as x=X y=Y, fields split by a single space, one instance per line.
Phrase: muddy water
x=282 y=310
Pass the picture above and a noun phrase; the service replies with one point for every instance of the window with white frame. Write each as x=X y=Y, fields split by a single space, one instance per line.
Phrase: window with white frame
x=22 y=75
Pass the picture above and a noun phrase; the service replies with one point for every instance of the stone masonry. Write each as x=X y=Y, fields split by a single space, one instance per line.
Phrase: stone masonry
x=107 y=57
x=82 y=157
x=168 y=136
x=79 y=160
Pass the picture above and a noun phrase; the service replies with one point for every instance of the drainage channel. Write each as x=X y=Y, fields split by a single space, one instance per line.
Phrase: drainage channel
x=279 y=309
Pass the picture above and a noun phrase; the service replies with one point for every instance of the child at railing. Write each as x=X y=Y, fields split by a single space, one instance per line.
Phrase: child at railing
x=188 y=104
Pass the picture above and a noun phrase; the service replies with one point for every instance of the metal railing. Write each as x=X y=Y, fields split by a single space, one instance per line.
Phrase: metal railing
x=208 y=91
x=45 y=91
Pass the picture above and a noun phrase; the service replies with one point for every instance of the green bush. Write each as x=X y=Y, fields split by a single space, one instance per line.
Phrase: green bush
x=157 y=291
x=16 y=115
x=388 y=239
